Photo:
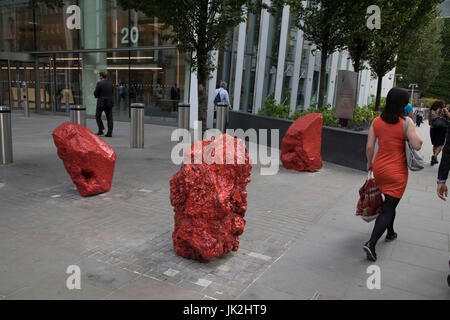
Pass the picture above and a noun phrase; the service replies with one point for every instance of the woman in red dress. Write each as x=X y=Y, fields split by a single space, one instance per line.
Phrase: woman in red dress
x=389 y=168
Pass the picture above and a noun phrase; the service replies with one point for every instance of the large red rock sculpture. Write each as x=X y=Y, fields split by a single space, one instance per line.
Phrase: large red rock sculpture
x=210 y=200
x=88 y=159
x=301 y=146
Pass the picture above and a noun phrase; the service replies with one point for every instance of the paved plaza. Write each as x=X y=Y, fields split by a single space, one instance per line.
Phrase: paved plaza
x=301 y=241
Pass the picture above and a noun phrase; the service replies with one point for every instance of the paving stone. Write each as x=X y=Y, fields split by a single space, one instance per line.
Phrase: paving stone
x=294 y=245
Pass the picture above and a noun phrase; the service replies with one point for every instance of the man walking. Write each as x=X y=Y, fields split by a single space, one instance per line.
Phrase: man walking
x=444 y=167
x=104 y=94
x=221 y=95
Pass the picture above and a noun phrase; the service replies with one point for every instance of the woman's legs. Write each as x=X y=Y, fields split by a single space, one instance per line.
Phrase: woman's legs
x=385 y=220
x=437 y=150
x=390 y=229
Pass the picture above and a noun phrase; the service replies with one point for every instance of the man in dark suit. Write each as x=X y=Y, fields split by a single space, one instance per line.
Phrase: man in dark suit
x=104 y=94
x=444 y=168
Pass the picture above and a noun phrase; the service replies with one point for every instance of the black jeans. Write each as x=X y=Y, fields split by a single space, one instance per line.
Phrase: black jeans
x=385 y=220
x=109 y=118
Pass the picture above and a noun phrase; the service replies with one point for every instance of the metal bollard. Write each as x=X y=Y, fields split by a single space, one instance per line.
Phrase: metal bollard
x=183 y=116
x=6 y=150
x=222 y=113
x=26 y=106
x=78 y=115
x=137 y=126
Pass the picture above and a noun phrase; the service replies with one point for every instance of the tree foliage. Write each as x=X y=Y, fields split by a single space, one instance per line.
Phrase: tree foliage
x=197 y=27
x=440 y=87
x=421 y=64
x=357 y=36
x=401 y=20
x=322 y=24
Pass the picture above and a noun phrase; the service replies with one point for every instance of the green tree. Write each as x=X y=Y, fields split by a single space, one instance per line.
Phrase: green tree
x=357 y=36
x=440 y=87
x=400 y=22
x=197 y=27
x=322 y=23
x=421 y=64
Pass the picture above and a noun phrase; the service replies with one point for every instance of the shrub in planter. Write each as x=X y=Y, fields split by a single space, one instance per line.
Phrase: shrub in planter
x=327 y=113
x=362 y=120
x=273 y=109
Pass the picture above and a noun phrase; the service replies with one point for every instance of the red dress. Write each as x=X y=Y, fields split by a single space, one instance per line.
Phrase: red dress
x=389 y=168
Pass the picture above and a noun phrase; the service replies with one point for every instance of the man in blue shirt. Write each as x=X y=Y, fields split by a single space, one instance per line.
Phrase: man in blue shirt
x=223 y=94
x=409 y=110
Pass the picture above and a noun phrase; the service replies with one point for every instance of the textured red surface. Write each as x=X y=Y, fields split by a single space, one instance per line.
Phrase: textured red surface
x=301 y=146
x=370 y=201
x=210 y=200
x=88 y=159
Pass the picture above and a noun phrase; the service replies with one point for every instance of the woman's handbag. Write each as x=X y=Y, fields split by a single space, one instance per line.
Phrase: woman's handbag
x=414 y=159
x=370 y=201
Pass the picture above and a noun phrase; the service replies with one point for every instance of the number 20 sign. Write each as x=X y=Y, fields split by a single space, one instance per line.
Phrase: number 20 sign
x=133 y=34
x=73 y=22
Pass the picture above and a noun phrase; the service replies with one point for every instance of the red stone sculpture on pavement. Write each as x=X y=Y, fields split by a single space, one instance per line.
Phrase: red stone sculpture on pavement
x=301 y=146
x=210 y=200
x=88 y=159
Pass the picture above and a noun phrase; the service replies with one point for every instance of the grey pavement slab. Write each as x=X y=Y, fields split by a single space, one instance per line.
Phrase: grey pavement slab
x=301 y=241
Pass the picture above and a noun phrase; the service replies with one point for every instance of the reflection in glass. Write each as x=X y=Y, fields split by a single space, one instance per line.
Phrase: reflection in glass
x=273 y=44
x=249 y=72
x=16 y=26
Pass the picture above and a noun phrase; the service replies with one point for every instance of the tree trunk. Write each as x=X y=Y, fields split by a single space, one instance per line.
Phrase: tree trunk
x=202 y=78
x=202 y=65
x=323 y=70
x=379 y=87
x=356 y=68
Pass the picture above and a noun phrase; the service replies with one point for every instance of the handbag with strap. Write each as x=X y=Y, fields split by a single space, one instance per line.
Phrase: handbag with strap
x=370 y=201
x=414 y=159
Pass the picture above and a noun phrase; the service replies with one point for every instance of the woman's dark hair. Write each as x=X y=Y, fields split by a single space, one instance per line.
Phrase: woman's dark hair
x=437 y=105
x=396 y=101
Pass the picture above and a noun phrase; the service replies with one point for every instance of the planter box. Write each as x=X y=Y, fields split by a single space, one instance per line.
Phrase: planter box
x=343 y=147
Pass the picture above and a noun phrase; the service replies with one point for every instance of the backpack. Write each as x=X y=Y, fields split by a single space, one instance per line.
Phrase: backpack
x=217 y=99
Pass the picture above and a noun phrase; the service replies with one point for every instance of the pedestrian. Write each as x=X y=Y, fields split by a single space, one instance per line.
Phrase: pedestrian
x=437 y=134
x=158 y=95
x=444 y=167
x=419 y=115
x=104 y=94
x=175 y=96
x=409 y=110
x=122 y=96
x=221 y=95
x=389 y=167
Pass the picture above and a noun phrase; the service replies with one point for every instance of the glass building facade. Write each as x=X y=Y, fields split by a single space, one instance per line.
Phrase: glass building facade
x=56 y=57
x=59 y=65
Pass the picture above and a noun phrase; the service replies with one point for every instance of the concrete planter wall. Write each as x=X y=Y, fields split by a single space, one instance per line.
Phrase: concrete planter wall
x=343 y=147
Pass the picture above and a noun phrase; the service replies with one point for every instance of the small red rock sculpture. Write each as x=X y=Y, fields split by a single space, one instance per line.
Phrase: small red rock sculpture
x=88 y=159
x=301 y=146
x=210 y=200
